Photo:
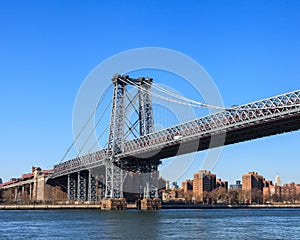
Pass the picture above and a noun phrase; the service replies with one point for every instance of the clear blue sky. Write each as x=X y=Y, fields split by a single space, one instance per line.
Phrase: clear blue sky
x=250 y=48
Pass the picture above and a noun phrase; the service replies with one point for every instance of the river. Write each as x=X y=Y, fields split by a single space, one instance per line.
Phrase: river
x=164 y=224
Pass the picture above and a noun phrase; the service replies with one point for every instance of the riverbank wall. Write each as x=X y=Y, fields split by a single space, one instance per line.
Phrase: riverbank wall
x=133 y=206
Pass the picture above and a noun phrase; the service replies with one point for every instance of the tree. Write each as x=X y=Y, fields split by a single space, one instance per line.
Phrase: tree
x=188 y=195
x=234 y=196
x=256 y=196
x=207 y=197
x=219 y=194
x=8 y=196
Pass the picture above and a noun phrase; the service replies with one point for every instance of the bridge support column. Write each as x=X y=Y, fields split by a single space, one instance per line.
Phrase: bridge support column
x=71 y=188
x=81 y=186
x=146 y=190
x=16 y=193
x=23 y=192
x=114 y=189
x=30 y=192
x=92 y=188
x=114 y=181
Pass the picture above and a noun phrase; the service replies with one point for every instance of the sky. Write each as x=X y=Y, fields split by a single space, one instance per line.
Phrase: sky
x=250 y=49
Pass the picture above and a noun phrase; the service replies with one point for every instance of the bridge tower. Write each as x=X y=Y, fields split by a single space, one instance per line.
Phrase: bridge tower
x=122 y=127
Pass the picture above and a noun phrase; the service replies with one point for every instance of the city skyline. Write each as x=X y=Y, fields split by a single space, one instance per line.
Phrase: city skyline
x=250 y=50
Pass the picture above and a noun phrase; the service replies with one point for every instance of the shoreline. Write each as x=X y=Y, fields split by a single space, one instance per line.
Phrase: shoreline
x=227 y=206
x=133 y=206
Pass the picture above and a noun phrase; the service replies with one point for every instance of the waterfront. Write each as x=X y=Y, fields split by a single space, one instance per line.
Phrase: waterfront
x=164 y=224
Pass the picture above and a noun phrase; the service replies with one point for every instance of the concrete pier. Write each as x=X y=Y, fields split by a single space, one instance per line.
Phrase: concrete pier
x=114 y=204
x=150 y=204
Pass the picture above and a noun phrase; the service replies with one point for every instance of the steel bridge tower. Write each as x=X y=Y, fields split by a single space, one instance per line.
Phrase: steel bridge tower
x=121 y=128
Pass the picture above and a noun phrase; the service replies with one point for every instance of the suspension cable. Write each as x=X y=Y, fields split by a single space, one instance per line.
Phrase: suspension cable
x=204 y=105
x=162 y=97
x=100 y=136
x=84 y=126
x=91 y=133
x=212 y=106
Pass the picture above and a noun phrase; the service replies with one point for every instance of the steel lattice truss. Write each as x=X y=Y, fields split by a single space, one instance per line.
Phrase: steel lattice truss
x=253 y=120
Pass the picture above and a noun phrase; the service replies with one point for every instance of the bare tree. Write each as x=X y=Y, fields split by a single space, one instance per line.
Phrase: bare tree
x=234 y=196
x=256 y=196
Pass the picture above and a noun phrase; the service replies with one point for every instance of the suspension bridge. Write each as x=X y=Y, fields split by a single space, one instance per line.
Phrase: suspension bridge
x=135 y=146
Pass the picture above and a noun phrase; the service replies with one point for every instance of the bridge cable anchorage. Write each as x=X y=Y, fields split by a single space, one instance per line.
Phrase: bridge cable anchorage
x=84 y=126
x=93 y=130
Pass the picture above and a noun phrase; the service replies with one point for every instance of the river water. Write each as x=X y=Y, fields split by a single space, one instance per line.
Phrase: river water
x=164 y=224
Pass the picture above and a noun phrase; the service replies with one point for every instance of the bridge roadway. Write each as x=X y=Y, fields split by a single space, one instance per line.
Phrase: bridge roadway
x=17 y=184
x=258 y=119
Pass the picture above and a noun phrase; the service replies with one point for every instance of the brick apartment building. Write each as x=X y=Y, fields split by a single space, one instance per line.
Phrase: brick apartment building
x=204 y=181
x=252 y=187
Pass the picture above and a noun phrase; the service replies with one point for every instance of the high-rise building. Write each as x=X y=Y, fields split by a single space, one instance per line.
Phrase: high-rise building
x=204 y=181
x=277 y=180
x=252 y=186
x=268 y=183
x=162 y=183
x=220 y=183
x=187 y=185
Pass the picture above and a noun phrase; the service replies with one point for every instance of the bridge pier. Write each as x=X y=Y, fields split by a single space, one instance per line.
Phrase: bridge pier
x=149 y=204
x=114 y=204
